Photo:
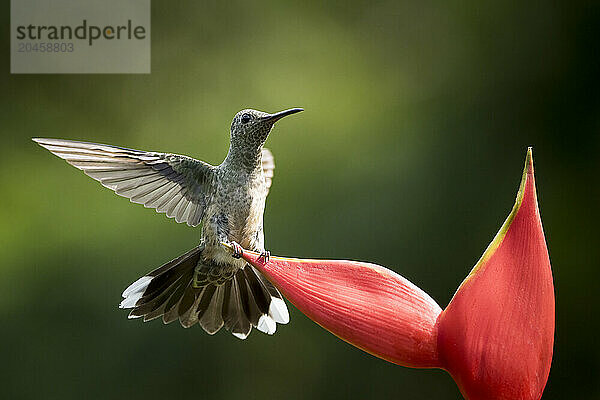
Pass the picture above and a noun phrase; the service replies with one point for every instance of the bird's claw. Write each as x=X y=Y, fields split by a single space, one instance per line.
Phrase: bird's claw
x=237 y=250
x=265 y=255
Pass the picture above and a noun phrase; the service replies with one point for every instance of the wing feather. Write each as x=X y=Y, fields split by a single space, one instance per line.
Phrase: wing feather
x=268 y=166
x=170 y=183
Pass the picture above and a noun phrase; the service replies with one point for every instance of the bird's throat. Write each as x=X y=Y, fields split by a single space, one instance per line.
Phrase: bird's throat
x=243 y=158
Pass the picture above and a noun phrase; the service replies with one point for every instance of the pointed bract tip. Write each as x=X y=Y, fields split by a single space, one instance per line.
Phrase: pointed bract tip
x=529 y=160
x=489 y=339
x=528 y=174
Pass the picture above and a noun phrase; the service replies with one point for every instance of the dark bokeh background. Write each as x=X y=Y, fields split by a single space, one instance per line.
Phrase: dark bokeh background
x=409 y=155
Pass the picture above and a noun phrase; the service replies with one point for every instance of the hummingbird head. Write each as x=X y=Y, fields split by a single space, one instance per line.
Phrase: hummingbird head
x=250 y=128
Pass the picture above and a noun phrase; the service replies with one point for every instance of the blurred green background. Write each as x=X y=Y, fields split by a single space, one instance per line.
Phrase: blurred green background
x=409 y=155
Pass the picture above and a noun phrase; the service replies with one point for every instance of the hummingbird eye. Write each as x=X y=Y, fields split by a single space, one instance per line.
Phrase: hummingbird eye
x=246 y=118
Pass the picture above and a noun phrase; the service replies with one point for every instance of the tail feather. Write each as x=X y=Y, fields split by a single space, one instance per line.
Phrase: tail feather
x=138 y=286
x=250 y=307
x=188 y=298
x=190 y=317
x=259 y=291
x=266 y=325
x=160 y=310
x=212 y=320
x=154 y=301
x=244 y=301
x=172 y=306
x=277 y=309
x=234 y=314
x=161 y=282
x=262 y=299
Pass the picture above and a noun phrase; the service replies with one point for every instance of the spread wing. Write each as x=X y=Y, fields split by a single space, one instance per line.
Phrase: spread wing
x=268 y=166
x=173 y=184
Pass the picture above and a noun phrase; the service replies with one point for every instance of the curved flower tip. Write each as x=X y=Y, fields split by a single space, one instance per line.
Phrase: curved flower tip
x=496 y=335
x=364 y=304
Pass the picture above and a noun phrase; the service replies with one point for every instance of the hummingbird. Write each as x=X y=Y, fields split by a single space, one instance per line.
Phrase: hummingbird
x=206 y=285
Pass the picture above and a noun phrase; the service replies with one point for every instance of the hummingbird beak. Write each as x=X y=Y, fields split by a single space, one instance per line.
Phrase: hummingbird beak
x=277 y=116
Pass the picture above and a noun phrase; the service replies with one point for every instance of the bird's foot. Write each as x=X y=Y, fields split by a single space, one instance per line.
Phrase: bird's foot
x=237 y=250
x=265 y=255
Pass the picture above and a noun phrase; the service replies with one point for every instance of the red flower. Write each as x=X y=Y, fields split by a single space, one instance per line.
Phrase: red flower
x=495 y=337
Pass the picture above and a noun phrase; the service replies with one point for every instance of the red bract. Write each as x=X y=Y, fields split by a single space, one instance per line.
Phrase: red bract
x=366 y=305
x=495 y=337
